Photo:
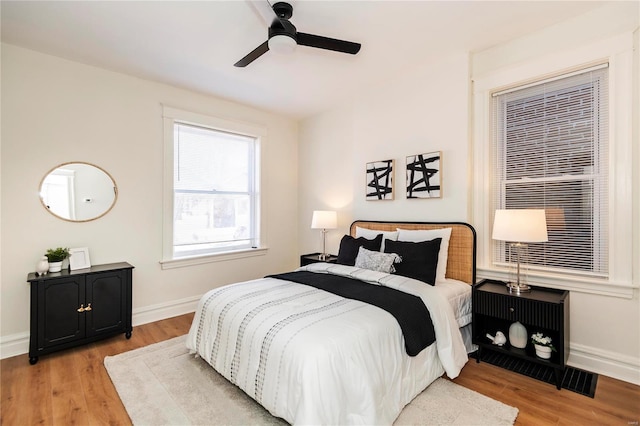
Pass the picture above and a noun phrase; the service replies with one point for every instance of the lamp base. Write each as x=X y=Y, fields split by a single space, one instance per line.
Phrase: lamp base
x=518 y=288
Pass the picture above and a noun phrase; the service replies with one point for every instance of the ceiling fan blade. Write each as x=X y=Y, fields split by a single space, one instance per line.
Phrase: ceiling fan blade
x=265 y=10
x=253 y=55
x=327 y=43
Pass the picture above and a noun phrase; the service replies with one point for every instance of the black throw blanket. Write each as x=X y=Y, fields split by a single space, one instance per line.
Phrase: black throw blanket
x=409 y=310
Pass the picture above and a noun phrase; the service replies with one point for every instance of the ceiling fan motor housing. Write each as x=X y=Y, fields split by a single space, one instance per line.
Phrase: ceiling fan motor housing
x=283 y=10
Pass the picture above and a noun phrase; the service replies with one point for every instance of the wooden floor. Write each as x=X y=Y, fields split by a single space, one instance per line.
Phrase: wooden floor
x=73 y=388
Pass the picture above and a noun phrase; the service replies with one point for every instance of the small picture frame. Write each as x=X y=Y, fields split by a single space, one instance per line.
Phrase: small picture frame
x=424 y=175
x=79 y=258
x=379 y=185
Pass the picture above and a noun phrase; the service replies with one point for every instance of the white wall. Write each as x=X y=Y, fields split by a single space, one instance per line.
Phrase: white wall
x=326 y=175
x=605 y=316
x=427 y=109
x=55 y=111
x=423 y=110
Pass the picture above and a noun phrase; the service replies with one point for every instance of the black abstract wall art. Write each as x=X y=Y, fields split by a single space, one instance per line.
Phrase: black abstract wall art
x=380 y=180
x=424 y=175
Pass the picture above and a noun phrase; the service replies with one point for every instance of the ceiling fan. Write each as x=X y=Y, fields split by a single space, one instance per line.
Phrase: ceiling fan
x=284 y=37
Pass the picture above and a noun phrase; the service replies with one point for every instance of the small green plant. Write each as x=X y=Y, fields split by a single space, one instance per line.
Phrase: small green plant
x=57 y=255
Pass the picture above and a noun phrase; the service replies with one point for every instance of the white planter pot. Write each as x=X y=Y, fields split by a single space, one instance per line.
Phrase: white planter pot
x=543 y=352
x=55 y=266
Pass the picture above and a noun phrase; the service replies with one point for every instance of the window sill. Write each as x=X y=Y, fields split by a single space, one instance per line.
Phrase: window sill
x=210 y=258
x=582 y=285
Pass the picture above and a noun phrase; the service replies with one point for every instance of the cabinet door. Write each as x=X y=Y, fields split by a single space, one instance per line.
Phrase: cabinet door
x=106 y=294
x=58 y=303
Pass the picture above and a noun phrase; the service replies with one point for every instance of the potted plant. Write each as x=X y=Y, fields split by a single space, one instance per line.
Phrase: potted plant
x=55 y=258
x=543 y=345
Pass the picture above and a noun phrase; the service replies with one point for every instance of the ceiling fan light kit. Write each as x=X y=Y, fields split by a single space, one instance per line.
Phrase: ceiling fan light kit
x=283 y=37
x=282 y=44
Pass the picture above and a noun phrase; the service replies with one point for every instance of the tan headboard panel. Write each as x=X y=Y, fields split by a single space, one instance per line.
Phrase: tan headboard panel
x=461 y=262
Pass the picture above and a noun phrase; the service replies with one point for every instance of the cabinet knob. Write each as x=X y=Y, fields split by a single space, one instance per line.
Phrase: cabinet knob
x=82 y=309
x=512 y=310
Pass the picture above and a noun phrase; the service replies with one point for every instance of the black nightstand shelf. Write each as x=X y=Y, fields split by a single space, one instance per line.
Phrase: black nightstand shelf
x=307 y=259
x=542 y=310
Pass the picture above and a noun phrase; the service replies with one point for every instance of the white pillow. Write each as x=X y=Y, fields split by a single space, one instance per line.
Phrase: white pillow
x=370 y=234
x=376 y=261
x=417 y=236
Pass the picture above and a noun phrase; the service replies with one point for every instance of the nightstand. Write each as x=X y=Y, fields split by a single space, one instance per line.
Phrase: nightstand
x=543 y=310
x=307 y=259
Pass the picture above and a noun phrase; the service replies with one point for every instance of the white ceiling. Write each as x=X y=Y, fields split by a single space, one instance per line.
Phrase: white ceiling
x=194 y=44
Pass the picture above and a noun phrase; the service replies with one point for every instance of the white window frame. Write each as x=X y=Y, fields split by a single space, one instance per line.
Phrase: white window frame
x=598 y=76
x=618 y=52
x=170 y=117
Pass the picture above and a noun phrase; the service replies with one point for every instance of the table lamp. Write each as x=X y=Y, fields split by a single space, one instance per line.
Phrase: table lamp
x=519 y=227
x=324 y=219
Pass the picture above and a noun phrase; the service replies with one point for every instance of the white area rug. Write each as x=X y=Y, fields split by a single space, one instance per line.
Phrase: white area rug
x=162 y=384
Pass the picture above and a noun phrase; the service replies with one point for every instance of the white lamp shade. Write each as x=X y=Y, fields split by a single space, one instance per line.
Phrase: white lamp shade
x=520 y=226
x=282 y=44
x=324 y=219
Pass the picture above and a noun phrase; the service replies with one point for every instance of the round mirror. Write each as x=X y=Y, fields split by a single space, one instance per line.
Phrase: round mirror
x=78 y=192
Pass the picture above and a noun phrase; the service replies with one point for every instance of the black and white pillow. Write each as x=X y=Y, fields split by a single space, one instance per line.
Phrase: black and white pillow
x=377 y=261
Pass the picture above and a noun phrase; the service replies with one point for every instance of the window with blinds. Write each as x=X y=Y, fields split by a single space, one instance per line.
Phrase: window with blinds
x=214 y=191
x=550 y=145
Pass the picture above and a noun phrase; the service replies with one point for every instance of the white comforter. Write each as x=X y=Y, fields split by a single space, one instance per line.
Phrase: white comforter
x=312 y=357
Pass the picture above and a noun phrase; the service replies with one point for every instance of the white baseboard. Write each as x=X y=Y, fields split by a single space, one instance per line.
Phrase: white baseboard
x=18 y=343
x=607 y=363
x=162 y=311
x=14 y=344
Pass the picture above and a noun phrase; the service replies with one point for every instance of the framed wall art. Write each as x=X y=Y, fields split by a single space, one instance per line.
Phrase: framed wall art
x=380 y=180
x=424 y=175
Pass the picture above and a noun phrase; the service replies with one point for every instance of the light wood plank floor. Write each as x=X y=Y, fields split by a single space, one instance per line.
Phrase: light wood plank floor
x=73 y=388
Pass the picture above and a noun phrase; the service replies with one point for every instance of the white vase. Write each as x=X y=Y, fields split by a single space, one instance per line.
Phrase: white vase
x=543 y=352
x=55 y=266
x=518 y=335
x=42 y=266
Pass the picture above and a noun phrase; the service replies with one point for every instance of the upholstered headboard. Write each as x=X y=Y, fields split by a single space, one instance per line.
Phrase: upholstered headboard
x=461 y=261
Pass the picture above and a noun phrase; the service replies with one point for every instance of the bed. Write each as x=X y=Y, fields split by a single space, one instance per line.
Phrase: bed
x=341 y=344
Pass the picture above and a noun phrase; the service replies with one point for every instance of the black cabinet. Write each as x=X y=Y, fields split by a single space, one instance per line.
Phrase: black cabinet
x=307 y=259
x=71 y=308
x=543 y=310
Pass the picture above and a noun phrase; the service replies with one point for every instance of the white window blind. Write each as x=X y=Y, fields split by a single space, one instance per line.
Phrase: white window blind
x=214 y=191
x=550 y=145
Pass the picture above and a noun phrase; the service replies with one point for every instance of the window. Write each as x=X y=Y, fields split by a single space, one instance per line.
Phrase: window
x=550 y=145
x=214 y=204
